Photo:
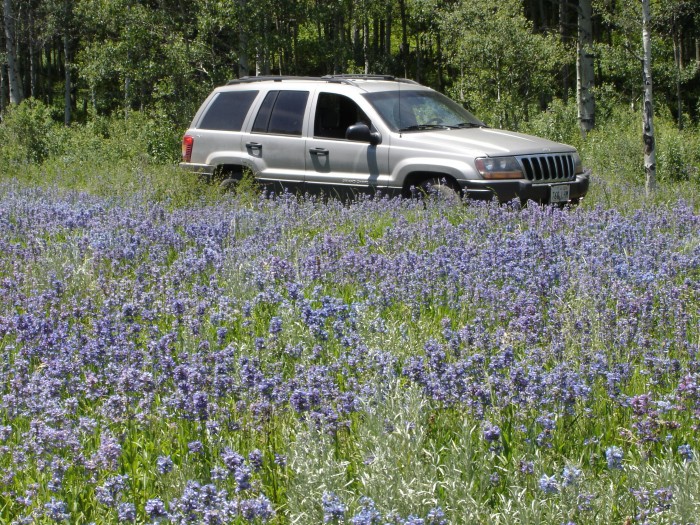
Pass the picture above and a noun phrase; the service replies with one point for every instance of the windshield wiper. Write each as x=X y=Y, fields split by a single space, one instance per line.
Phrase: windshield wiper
x=420 y=127
x=470 y=125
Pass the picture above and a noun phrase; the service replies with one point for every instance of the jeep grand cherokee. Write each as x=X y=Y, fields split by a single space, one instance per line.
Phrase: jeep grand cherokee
x=346 y=134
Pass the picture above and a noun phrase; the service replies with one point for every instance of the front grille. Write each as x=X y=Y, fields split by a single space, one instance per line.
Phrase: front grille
x=548 y=168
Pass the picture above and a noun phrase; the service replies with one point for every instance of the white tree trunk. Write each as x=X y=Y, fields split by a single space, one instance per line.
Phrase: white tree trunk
x=68 y=84
x=648 y=113
x=243 y=63
x=584 y=68
x=12 y=73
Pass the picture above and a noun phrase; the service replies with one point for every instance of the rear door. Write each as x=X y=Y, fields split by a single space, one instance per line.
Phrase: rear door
x=275 y=145
x=335 y=165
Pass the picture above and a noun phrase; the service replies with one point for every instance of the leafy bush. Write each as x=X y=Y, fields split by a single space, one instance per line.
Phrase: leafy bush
x=29 y=133
x=558 y=123
x=678 y=154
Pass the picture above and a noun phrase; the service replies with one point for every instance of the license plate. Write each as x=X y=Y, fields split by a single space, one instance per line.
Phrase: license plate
x=559 y=193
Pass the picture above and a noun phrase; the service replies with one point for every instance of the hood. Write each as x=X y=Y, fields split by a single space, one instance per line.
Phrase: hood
x=478 y=142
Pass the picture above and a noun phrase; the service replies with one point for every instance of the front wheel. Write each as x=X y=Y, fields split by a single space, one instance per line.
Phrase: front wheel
x=439 y=189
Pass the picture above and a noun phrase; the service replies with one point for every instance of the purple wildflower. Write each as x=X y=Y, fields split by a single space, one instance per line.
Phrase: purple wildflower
x=257 y=508
x=155 y=508
x=195 y=447
x=333 y=508
x=164 y=464
x=492 y=432
x=549 y=484
x=56 y=510
x=126 y=512
x=686 y=452
x=614 y=456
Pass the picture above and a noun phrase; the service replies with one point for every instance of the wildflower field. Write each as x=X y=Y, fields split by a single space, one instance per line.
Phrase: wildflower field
x=290 y=361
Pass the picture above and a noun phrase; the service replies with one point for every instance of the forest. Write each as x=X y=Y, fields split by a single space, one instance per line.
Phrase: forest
x=175 y=353
x=504 y=60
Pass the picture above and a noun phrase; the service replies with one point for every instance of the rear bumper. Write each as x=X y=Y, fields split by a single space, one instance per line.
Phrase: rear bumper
x=507 y=190
x=204 y=169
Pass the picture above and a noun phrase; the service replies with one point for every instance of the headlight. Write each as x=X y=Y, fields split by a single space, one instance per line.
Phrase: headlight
x=578 y=165
x=499 y=168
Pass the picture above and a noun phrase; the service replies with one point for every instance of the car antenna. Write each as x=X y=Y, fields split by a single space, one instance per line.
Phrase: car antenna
x=400 y=126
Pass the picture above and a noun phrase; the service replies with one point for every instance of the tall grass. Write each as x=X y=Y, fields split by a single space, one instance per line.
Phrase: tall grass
x=174 y=354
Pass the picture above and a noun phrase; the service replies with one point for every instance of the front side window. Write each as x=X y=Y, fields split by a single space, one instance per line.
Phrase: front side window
x=228 y=110
x=334 y=114
x=406 y=110
x=282 y=112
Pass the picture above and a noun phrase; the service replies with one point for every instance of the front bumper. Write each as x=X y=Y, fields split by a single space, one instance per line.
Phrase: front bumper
x=523 y=189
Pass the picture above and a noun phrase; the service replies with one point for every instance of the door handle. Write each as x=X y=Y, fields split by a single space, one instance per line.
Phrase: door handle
x=319 y=152
x=254 y=146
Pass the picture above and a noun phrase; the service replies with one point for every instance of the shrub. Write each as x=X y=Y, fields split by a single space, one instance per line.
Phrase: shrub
x=678 y=154
x=30 y=132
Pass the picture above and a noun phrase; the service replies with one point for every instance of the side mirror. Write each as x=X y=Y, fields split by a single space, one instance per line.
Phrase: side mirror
x=360 y=133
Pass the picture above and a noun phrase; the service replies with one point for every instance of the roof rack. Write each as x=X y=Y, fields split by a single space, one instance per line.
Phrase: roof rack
x=344 y=78
x=268 y=78
x=353 y=76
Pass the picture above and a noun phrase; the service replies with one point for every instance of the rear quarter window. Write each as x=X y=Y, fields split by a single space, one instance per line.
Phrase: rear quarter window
x=228 y=111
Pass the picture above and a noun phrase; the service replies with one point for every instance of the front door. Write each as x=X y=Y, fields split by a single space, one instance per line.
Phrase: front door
x=337 y=166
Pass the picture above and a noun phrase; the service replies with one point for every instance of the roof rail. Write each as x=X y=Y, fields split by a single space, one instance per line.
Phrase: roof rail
x=345 y=78
x=263 y=78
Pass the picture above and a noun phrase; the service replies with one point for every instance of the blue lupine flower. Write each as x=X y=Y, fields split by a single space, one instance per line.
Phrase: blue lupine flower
x=333 y=509
x=367 y=515
x=126 y=512
x=570 y=475
x=549 y=484
x=56 y=510
x=491 y=432
x=155 y=508
x=164 y=464
x=686 y=452
x=614 y=456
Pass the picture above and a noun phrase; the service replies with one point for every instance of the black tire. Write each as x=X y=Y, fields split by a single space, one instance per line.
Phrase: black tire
x=228 y=184
x=439 y=189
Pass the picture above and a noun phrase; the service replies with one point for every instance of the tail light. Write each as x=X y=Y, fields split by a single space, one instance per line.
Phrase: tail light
x=187 y=143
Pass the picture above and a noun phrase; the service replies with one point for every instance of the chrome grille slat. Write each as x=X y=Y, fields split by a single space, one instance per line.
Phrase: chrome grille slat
x=548 y=168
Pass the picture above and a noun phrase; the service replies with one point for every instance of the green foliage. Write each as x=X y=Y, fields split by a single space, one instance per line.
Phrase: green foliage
x=503 y=65
x=105 y=156
x=559 y=122
x=28 y=134
x=678 y=154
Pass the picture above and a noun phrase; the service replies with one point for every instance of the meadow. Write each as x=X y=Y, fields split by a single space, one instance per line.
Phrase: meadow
x=174 y=354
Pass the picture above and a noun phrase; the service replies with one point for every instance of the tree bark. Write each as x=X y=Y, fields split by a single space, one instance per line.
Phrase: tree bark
x=648 y=112
x=404 y=37
x=562 y=37
x=12 y=69
x=33 y=57
x=67 y=65
x=68 y=83
x=3 y=89
x=243 y=62
x=387 y=35
x=365 y=44
x=677 y=59
x=584 y=68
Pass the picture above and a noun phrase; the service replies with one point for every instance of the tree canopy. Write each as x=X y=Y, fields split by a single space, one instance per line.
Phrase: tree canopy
x=502 y=59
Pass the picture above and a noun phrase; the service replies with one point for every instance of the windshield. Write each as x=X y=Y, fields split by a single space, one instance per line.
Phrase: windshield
x=408 y=110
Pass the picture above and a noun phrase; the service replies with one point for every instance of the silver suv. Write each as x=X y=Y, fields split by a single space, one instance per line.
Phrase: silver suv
x=349 y=134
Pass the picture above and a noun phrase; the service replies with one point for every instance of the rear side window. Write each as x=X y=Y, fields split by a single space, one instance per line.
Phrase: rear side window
x=228 y=110
x=282 y=112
